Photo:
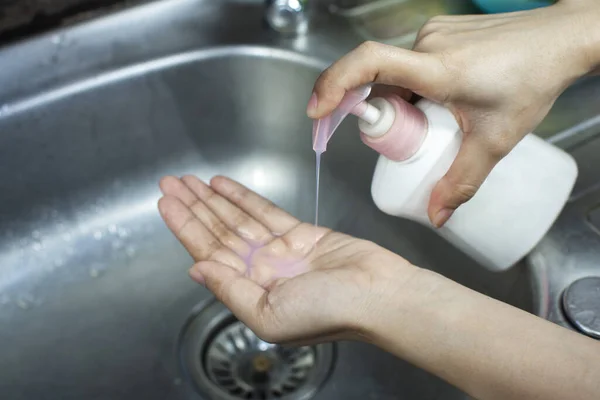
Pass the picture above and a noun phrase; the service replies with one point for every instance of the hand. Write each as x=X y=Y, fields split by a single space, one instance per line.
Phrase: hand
x=498 y=74
x=263 y=264
x=288 y=281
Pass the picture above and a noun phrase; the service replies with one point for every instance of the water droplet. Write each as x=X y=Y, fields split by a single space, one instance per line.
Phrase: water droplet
x=98 y=235
x=57 y=39
x=122 y=233
x=117 y=244
x=36 y=234
x=67 y=237
x=112 y=229
x=130 y=251
x=24 y=302
x=4 y=109
x=23 y=242
x=59 y=262
x=37 y=246
x=94 y=273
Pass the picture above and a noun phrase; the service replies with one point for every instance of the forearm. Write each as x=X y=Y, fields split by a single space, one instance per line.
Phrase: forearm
x=488 y=349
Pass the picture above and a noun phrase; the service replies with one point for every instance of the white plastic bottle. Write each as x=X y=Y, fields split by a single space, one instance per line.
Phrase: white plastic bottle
x=509 y=214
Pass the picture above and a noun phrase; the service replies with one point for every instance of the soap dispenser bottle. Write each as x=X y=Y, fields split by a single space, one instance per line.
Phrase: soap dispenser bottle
x=511 y=211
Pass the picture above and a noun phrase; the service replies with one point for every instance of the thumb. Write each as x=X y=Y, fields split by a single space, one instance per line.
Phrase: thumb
x=374 y=62
x=474 y=162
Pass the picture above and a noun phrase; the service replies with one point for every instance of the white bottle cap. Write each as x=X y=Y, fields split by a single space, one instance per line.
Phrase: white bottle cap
x=378 y=128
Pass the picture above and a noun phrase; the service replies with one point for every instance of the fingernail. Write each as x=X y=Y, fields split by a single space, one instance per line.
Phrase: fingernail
x=312 y=105
x=442 y=217
x=197 y=276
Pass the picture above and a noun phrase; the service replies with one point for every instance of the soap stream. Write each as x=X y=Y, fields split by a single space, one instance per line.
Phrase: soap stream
x=352 y=103
x=318 y=178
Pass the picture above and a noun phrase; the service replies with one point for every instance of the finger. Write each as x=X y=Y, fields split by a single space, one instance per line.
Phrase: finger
x=386 y=90
x=232 y=216
x=301 y=241
x=174 y=187
x=453 y=19
x=246 y=299
x=422 y=73
x=475 y=160
x=262 y=210
x=195 y=237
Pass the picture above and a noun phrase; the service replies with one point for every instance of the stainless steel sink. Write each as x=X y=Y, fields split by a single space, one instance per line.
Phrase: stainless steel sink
x=94 y=293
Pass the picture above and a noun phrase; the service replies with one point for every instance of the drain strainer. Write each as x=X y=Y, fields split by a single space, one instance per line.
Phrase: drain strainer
x=227 y=361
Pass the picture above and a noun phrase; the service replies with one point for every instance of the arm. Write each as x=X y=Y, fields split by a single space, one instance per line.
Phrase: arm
x=486 y=348
x=289 y=289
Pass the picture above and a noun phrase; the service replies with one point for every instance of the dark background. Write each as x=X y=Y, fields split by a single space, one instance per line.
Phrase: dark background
x=22 y=18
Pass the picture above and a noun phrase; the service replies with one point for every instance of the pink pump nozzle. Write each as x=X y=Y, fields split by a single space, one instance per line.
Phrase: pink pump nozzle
x=391 y=126
x=352 y=103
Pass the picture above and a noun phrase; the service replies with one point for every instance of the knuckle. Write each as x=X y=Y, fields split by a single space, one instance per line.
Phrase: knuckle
x=424 y=32
x=267 y=208
x=212 y=246
x=431 y=42
x=436 y=19
x=324 y=78
x=498 y=149
x=185 y=225
x=463 y=192
x=240 y=219
x=433 y=25
x=369 y=46
x=449 y=75
x=240 y=195
x=221 y=291
x=219 y=229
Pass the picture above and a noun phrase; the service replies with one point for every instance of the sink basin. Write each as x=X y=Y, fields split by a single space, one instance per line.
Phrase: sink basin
x=94 y=287
x=94 y=292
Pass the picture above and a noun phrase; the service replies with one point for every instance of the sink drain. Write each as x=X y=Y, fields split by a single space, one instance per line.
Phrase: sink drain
x=227 y=361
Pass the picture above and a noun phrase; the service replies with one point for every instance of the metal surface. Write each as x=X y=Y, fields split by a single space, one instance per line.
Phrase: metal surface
x=571 y=249
x=94 y=289
x=224 y=360
x=287 y=16
x=395 y=22
x=244 y=367
x=581 y=304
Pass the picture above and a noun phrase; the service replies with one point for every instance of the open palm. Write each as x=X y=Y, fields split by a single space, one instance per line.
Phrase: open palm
x=288 y=281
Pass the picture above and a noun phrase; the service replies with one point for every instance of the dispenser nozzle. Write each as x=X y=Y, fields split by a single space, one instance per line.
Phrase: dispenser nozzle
x=367 y=112
x=323 y=128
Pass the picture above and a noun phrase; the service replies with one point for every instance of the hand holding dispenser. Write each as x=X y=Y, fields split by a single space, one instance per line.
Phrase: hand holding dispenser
x=511 y=211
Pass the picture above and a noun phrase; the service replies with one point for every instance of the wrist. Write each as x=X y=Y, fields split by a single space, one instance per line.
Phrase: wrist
x=388 y=286
x=405 y=307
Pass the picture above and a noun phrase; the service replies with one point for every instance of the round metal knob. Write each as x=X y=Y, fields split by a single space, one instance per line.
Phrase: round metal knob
x=287 y=16
x=581 y=304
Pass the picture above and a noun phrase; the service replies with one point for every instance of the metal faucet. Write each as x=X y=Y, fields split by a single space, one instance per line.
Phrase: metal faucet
x=287 y=16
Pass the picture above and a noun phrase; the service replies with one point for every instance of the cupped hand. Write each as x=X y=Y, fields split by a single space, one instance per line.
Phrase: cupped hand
x=498 y=74
x=288 y=281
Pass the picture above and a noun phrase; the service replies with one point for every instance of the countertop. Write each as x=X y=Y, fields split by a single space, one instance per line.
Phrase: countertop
x=22 y=18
